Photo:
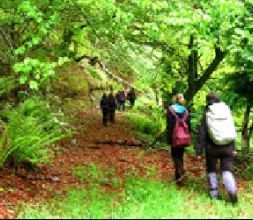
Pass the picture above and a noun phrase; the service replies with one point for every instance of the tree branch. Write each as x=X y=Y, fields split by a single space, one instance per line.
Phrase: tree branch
x=219 y=56
x=6 y=39
x=94 y=60
x=161 y=45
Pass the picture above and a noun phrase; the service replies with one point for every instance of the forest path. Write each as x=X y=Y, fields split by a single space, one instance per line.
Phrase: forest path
x=83 y=150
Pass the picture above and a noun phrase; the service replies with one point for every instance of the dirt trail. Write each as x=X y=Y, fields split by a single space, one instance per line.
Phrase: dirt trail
x=81 y=149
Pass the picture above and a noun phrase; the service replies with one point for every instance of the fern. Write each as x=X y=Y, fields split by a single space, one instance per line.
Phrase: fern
x=30 y=129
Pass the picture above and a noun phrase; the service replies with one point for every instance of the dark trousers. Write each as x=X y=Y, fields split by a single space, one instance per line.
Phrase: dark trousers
x=112 y=116
x=121 y=105
x=222 y=153
x=177 y=155
x=105 y=116
x=132 y=101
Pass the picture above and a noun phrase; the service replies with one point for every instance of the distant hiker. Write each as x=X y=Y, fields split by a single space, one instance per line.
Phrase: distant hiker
x=112 y=106
x=178 y=134
x=121 y=100
x=216 y=135
x=131 y=97
x=105 y=108
x=117 y=99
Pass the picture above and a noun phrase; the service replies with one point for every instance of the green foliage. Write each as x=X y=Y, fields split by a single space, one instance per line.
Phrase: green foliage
x=148 y=118
x=35 y=72
x=247 y=173
x=241 y=84
x=7 y=84
x=29 y=129
x=145 y=126
x=93 y=72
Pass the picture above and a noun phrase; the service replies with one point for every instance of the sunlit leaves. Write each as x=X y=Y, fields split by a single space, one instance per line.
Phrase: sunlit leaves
x=34 y=72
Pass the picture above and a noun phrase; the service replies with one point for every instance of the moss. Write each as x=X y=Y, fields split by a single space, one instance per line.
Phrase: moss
x=71 y=81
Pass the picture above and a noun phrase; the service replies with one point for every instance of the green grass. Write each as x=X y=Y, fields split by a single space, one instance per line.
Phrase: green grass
x=94 y=174
x=79 y=203
x=141 y=198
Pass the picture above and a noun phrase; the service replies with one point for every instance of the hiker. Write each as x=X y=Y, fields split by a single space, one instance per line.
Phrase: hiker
x=104 y=107
x=112 y=106
x=218 y=142
x=121 y=100
x=178 y=117
x=131 y=97
x=117 y=100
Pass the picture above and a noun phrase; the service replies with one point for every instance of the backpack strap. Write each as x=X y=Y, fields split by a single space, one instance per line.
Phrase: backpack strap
x=186 y=113
x=173 y=112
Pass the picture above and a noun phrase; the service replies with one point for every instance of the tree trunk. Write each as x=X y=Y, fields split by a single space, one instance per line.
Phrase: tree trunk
x=199 y=82
x=192 y=68
x=245 y=131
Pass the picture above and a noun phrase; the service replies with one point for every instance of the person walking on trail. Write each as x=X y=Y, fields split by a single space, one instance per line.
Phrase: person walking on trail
x=112 y=106
x=105 y=108
x=216 y=135
x=178 y=134
x=121 y=100
x=131 y=96
x=117 y=100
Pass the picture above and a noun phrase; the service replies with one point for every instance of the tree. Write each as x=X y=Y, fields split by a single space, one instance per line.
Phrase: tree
x=194 y=36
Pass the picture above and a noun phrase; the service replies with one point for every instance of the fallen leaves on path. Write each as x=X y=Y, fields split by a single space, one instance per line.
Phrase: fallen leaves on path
x=83 y=150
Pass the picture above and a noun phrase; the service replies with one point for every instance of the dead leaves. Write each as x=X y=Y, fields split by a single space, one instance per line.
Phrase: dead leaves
x=83 y=150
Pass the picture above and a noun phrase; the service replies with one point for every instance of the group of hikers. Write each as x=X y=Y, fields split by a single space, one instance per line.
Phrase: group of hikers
x=216 y=135
x=109 y=104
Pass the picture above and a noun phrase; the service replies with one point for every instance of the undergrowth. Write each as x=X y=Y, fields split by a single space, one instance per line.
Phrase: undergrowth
x=28 y=131
x=148 y=125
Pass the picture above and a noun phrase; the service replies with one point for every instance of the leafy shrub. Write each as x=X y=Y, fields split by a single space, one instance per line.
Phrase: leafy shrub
x=6 y=85
x=149 y=125
x=29 y=129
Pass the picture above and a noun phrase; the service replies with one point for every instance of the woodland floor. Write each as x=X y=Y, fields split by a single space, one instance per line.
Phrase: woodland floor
x=82 y=149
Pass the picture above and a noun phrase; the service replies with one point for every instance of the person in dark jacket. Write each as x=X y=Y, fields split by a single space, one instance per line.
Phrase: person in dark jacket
x=105 y=108
x=121 y=99
x=131 y=96
x=117 y=100
x=112 y=106
x=177 y=153
x=213 y=153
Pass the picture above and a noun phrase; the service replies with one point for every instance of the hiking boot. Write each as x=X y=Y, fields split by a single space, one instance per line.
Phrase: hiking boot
x=233 y=198
x=180 y=181
x=218 y=197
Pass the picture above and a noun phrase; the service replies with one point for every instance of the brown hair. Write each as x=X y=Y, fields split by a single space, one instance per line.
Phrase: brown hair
x=179 y=98
x=212 y=97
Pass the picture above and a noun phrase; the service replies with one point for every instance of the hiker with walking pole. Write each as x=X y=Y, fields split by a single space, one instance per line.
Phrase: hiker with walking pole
x=217 y=136
x=178 y=134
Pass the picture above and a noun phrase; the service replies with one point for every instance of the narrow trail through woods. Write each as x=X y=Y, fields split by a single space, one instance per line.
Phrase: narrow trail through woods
x=83 y=149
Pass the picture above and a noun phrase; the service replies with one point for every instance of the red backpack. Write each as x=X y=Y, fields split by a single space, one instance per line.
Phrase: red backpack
x=180 y=136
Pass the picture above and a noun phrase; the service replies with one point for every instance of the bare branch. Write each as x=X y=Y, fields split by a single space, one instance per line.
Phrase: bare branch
x=6 y=39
